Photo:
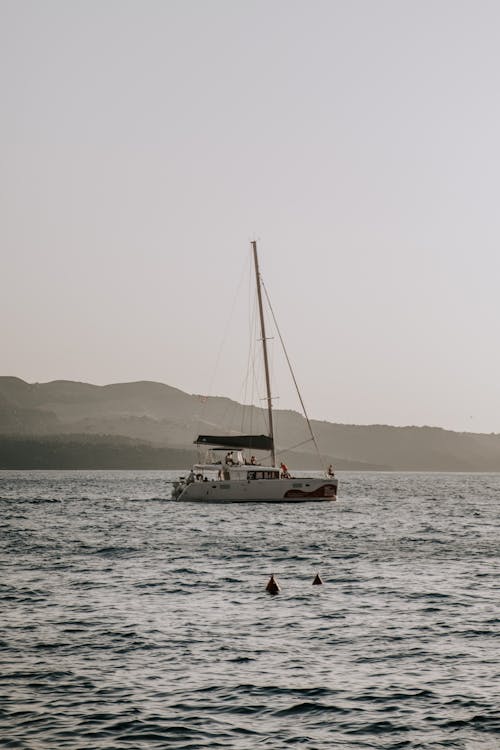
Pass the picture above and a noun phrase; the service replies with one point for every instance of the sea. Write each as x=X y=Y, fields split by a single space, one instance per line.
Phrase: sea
x=131 y=621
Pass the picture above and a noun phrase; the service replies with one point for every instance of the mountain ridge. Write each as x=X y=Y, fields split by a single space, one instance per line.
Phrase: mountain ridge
x=167 y=418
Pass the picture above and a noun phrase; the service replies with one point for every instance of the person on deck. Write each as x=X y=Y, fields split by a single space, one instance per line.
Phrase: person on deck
x=331 y=472
x=284 y=471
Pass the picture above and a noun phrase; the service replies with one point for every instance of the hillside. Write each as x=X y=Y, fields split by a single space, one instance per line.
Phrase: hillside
x=149 y=425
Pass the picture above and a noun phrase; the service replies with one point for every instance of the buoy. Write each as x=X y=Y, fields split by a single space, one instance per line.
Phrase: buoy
x=317 y=581
x=273 y=586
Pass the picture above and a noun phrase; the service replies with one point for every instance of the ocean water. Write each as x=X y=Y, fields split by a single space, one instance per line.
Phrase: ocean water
x=129 y=621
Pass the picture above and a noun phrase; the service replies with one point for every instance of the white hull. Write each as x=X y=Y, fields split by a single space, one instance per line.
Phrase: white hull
x=296 y=490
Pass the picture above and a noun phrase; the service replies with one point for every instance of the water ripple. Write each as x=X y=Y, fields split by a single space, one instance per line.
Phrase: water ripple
x=131 y=623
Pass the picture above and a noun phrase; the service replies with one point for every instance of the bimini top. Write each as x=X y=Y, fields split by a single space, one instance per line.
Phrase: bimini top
x=237 y=442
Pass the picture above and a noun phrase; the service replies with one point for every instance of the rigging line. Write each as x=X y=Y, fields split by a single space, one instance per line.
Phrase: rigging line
x=243 y=391
x=252 y=337
x=229 y=320
x=257 y=418
x=292 y=447
x=248 y=379
x=293 y=376
x=254 y=416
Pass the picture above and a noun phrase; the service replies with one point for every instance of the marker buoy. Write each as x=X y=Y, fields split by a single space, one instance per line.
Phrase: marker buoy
x=317 y=581
x=273 y=586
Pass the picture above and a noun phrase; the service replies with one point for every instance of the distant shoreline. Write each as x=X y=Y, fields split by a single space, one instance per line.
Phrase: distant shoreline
x=145 y=425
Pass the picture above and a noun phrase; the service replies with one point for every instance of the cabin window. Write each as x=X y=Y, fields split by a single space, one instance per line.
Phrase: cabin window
x=263 y=475
x=297 y=484
x=224 y=486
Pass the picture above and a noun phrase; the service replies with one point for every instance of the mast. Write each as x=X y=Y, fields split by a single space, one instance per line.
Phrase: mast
x=264 y=348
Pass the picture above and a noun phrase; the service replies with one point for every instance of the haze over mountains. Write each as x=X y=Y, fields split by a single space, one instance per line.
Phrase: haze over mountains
x=67 y=424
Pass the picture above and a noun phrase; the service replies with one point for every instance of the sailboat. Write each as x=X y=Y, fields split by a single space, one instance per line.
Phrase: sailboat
x=230 y=472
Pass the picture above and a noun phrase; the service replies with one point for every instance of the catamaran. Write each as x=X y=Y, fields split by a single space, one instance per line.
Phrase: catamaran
x=230 y=472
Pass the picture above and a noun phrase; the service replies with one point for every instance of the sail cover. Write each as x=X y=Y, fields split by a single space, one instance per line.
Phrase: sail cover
x=237 y=442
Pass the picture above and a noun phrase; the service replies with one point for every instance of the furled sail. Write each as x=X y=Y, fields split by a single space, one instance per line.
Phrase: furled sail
x=237 y=442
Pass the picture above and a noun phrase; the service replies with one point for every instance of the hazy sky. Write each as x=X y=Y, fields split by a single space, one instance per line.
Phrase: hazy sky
x=144 y=144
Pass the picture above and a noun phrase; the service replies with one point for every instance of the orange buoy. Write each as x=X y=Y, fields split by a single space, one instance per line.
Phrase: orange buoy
x=317 y=581
x=273 y=586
